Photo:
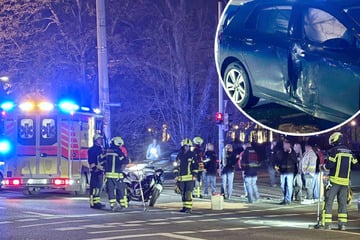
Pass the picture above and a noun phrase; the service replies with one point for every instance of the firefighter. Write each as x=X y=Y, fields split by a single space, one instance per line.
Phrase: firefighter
x=187 y=173
x=97 y=172
x=114 y=163
x=199 y=154
x=339 y=166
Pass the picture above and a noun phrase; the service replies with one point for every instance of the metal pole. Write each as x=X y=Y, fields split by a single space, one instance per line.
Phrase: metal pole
x=103 y=66
x=221 y=97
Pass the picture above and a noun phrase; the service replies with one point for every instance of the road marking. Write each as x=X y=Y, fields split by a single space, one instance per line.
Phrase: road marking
x=210 y=230
x=40 y=214
x=53 y=223
x=5 y=222
x=184 y=221
x=69 y=228
x=208 y=220
x=118 y=230
x=158 y=223
x=27 y=220
x=135 y=222
x=167 y=235
x=234 y=229
x=229 y=219
x=186 y=232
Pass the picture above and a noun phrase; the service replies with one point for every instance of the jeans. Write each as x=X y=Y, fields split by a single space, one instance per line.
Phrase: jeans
x=251 y=188
x=316 y=186
x=243 y=177
x=210 y=179
x=227 y=182
x=286 y=181
x=272 y=175
x=309 y=185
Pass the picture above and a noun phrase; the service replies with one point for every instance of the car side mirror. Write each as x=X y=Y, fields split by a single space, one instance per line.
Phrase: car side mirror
x=336 y=44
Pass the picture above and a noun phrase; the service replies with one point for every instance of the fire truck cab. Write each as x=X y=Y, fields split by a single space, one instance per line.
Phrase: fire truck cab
x=50 y=144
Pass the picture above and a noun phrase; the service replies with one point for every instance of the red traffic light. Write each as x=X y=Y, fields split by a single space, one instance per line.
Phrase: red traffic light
x=219 y=117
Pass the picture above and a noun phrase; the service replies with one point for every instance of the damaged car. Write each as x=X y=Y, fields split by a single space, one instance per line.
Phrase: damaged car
x=301 y=54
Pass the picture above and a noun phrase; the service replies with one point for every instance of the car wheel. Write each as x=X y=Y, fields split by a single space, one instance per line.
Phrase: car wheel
x=237 y=85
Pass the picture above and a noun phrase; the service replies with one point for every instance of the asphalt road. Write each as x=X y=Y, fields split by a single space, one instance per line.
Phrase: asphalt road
x=62 y=216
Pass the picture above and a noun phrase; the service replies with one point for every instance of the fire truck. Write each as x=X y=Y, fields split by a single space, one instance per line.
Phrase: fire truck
x=49 y=144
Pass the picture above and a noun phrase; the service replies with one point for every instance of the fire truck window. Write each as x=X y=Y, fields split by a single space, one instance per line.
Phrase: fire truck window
x=26 y=128
x=48 y=131
x=26 y=131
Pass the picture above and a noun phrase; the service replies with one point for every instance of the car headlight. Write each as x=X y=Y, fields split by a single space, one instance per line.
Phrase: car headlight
x=175 y=164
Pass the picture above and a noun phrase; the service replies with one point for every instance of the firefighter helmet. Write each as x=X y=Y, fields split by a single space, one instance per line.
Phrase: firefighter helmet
x=187 y=142
x=335 y=138
x=198 y=140
x=117 y=141
x=97 y=136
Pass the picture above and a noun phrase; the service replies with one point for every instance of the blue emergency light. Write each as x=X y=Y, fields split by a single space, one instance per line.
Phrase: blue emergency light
x=68 y=106
x=7 y=106
x=5 y=146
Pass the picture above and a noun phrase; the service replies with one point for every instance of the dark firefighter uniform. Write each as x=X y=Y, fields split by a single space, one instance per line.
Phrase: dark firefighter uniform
x=114 y=162
x=339 y=165
x=198 y=154
x=187 y=172
x=96 y=171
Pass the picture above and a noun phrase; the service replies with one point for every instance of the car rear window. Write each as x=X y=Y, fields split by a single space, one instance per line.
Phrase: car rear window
x=270 y=20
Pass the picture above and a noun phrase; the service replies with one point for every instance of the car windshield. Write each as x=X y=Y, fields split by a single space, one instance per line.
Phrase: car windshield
x=354 y=14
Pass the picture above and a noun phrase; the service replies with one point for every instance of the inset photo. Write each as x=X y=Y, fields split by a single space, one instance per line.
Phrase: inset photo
x=291 y=66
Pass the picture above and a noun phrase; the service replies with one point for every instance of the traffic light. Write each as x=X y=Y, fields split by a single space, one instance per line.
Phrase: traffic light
x=219 y=117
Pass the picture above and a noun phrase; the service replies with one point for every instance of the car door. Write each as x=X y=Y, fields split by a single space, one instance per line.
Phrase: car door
x=265 y=43
x=327 y=70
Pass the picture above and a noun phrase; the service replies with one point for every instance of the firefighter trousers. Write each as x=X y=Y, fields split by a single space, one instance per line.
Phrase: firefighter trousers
x=187 y=188
x=340 y=192
x=96 y=183
x=116 y=189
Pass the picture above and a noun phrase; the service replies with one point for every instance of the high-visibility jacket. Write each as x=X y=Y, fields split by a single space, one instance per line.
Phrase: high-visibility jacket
x=339 y=165
x=94 y=157
x=188 y=166
x=114 y=162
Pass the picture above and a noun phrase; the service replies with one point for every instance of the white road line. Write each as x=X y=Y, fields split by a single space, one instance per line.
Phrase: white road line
x=210 y=230
x=133 y=225
x=184 y=221
x=186 y=232
x=53 y=223
x=5 y=222
x=118 y=230
x=40 y=214
x=208 y=220
x=69 y=228
x=234 y=229
x=134 y=222
x=157 y=223
x=27 y=220
x=228 y=219
x=167 y=235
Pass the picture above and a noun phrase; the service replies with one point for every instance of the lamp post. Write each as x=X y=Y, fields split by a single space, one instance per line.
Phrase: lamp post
x=221 y=95
x=103 y=79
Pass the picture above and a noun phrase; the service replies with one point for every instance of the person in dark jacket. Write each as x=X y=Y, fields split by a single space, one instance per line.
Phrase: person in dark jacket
x=250 y=164
x=97 y=172
x=271 y=152
x=227 y=171
x=287 y=166
x=210 y=169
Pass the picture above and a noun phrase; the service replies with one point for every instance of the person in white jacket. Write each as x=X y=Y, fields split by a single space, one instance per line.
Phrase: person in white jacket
x=308 y=167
